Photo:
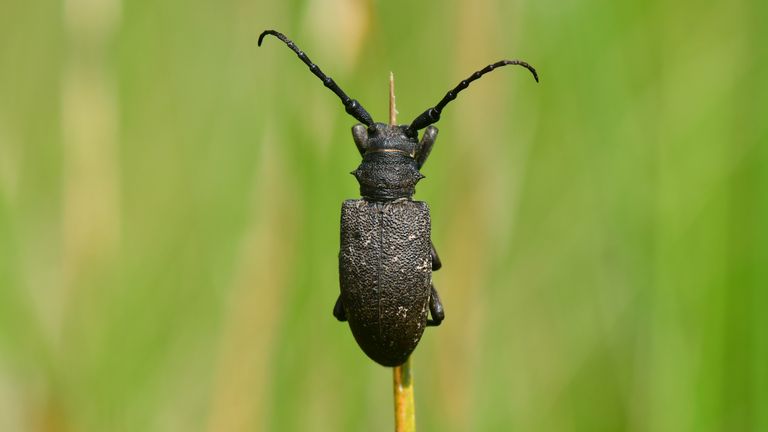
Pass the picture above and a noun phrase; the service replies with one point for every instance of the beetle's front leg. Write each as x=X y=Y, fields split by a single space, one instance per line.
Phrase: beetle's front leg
x=435 y=308
x=360 y=135
x=338 y=310
x=425 y=145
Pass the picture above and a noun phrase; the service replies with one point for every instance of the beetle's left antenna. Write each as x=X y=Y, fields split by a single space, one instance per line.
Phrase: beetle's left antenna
x=352 y=106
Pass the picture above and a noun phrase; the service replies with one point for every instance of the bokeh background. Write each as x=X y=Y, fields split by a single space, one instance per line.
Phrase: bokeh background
x=170 y=197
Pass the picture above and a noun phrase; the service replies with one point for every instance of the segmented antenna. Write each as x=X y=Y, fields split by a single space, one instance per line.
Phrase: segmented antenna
x=432 y=115
x=352 y=106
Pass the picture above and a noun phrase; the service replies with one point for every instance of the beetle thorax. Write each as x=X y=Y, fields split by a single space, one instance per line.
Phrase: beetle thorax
x=389 y=170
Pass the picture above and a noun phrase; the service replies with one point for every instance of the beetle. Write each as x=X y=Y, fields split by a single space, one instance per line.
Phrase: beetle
x=387 y=256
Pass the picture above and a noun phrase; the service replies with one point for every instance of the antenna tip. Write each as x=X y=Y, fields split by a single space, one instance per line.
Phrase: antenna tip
x=533 y=71
x=520 y=63
x=264 y=33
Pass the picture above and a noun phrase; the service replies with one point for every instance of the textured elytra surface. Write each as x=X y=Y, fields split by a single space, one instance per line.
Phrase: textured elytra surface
x=385 y=270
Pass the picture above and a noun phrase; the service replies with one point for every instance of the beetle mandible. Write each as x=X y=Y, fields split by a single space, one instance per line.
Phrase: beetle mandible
x=387 y=257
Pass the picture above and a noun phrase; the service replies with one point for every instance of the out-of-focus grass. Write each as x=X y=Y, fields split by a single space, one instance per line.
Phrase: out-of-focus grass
x=169 y=206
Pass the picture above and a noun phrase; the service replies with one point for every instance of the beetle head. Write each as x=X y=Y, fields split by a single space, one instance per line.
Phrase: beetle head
x=391 y=138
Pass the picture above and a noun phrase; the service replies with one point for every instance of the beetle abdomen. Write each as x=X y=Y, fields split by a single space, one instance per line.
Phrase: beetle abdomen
x=385 y=269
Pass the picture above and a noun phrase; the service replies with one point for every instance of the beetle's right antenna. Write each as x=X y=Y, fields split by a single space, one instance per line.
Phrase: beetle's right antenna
x=352 y=106
x=432 y=115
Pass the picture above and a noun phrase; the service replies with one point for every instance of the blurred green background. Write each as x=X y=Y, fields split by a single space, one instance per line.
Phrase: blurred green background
x=170 y=197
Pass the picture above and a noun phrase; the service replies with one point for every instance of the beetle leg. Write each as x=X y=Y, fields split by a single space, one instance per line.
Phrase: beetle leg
x=338 y=310
x=436 y=264
x=425 y=145
x=435 y=308
x=360 y=135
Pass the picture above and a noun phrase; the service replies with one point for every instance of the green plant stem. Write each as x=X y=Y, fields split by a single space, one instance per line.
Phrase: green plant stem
x=405 y=412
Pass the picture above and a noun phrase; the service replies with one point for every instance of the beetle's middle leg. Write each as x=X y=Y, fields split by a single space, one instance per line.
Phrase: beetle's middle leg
x=435 y=305
x=338 y=310
x=436 y=263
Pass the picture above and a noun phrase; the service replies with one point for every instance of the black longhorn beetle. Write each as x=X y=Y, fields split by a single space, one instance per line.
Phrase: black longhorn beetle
x=387 y=257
